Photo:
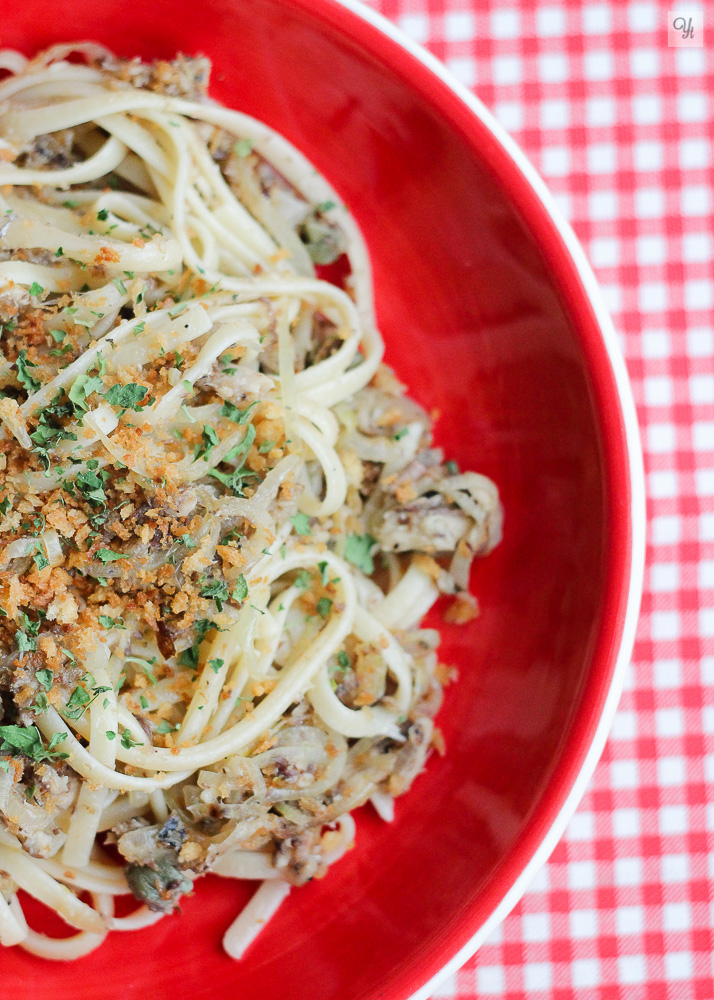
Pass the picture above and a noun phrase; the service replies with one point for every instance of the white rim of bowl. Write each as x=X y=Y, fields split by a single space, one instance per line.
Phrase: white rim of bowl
x=637 y=481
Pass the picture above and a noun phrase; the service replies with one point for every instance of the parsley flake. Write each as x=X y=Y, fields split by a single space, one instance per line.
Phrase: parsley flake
x=240 y=591
x=235 y=414
x=209 y=440
x=106 y=622
x=127 y=397
x=301 y=523
x=91 y=485
x=357 y=551
x=28 y=741
x=107 y=555
x=218 y=591
x=83 y=386
x=127 y=742
x=23 y=375
x=45 y=678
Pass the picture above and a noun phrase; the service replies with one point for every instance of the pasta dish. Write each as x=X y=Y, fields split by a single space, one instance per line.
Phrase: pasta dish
x=222 y=520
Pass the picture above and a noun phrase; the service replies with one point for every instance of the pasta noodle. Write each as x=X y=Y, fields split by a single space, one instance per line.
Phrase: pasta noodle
x=221 y=517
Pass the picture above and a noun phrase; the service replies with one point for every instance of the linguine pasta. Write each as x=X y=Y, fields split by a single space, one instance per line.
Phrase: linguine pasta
x=221 y=518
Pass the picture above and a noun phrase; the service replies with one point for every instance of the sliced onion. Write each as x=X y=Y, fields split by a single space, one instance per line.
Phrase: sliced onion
x=103 y=419
x=53 y=547
x=19 y=548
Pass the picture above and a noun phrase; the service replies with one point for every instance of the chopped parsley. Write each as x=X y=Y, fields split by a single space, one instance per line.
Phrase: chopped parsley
x=45 y=678
x=324 y=606
x=243 y=147
x=82 y=387
x=240 y=591
x=236 y=480
x=217 y=591
x=301 y=523
x=240 y=449
x=28 y=741
x=357 y=551
x=209 y=440
x=26 y=636
x=49 y=433
x=36 y=289
x=40 y=559
x=91 y=485
x=236 y=415
x=25 y=643
x=166 y=727
x=216 y=665
x=106 y=622
x=127 y=742
x=108 y=555
x=40 y=704
x=189 y=657
x=23 y=375
x=77 y=703
x=127 y=397
x=145 y=665
x=343 y=659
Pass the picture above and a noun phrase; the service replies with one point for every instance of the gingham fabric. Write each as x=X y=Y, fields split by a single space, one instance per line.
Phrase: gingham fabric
x=620 y=126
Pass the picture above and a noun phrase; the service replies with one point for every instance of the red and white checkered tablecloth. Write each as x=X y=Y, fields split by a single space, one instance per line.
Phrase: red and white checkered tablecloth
x=620 y=126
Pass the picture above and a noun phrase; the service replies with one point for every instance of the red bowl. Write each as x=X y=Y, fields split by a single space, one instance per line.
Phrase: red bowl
x=492 y=316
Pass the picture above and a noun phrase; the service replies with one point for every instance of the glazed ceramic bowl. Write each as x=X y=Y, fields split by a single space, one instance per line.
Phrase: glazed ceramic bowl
x=493 y=318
